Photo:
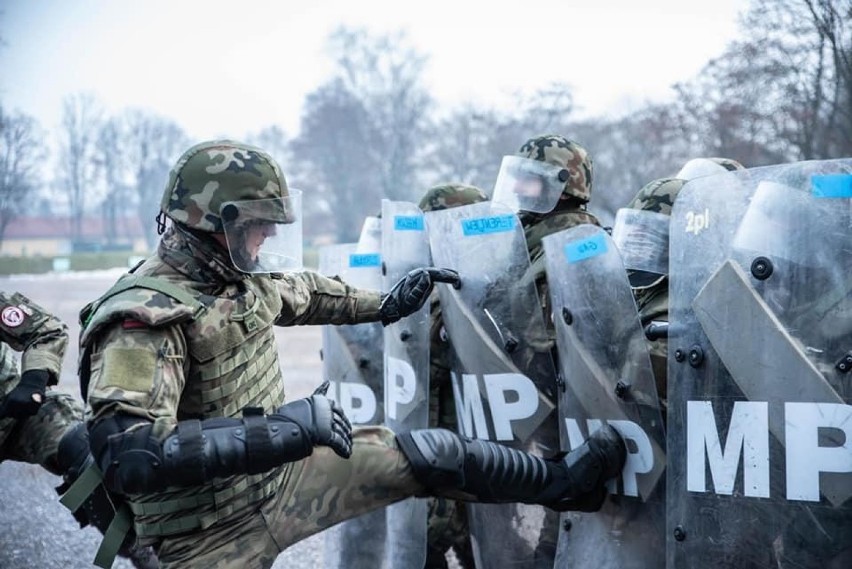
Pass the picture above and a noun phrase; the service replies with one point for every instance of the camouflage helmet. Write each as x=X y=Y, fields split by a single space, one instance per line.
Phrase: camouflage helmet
x=657 y=196
x=445 y=196
x=214 y=173
x=559 y=151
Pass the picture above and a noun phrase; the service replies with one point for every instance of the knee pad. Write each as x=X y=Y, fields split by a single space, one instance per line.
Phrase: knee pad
x=436 y=456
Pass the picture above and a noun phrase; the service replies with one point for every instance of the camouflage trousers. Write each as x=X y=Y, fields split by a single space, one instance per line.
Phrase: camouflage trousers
x=447 y=521
x=316 y=493
x=35 y=439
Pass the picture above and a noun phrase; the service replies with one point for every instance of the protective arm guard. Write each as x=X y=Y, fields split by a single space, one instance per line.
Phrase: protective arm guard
x=133 y=461
x=443 y=462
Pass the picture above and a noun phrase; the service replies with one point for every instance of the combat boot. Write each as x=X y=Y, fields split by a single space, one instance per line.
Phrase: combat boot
x=488 y=472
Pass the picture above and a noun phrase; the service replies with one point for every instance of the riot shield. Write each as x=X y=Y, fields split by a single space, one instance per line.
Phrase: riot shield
x=760 y=340
x=503 y=373
x=405 y=246
x=607 y=377
x=352 y=362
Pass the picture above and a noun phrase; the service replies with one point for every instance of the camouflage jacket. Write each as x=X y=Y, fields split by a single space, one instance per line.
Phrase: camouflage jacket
x=653 y=304
x=535 y=233
x=200 y=347
x=28 y=328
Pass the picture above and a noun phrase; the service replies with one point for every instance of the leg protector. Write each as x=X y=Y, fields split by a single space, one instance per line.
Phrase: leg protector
x=444 y=461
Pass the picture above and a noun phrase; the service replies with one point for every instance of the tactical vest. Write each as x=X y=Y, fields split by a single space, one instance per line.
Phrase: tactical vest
x=232 y=363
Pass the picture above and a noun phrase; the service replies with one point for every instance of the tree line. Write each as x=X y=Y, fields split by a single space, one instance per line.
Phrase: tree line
x=781 y=92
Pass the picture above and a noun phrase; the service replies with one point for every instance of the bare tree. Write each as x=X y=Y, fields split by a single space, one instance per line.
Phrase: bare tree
x=275 y=141
x=783 y=91
x=385 y=75
x=21 y=159
x=154 y=144
x=469 y=143
x=78 y=168
x=113 y=161
x=340 y=171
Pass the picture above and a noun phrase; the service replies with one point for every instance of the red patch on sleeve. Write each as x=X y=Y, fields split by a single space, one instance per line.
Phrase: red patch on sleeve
x=131 y=324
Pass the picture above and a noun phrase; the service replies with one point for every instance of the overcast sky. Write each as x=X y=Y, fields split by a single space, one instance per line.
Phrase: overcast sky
x=228 y=68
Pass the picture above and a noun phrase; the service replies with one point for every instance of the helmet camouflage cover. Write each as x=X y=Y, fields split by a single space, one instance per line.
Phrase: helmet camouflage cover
x=657 y=196
x=560 y=151
x=213 y=173
x=445 y=196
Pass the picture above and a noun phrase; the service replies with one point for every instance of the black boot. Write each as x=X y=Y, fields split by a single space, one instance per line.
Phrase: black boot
x=489 y=472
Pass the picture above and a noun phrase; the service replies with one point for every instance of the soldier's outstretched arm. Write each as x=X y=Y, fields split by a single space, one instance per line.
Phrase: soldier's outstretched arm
x=311 y=298
x=140 y=447
x=42 y=338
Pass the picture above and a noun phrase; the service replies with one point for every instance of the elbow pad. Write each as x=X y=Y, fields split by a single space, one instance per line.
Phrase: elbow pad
x=196 y=452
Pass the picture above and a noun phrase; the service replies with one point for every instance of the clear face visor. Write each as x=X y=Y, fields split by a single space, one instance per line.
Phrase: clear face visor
x=370 y=240
x=642 y=238
x=524 y=184
x=264 y=236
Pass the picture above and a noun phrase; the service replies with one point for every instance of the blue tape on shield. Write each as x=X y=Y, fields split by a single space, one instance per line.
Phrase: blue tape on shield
x=832 y=186
x=365 y=260
x=408 y=223
x=583 y=249
x=486 y=225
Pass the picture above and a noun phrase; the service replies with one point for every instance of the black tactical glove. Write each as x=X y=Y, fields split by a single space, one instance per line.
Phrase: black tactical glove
x=410 y=293
x=322 y=419
x=25 y=400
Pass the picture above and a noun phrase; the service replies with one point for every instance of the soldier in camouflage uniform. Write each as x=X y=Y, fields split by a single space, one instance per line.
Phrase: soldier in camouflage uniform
x=32 y=421
x=188 y=416
x=570 y=210
x=651 y=291
x=575 y=189
x=40 y=426
x=448 y=527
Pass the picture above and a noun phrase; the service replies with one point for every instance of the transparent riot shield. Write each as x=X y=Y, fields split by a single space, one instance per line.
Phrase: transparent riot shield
x=353 y=363
x=405 y=246
x=607 y=377
x=503 y=374
x=760 y=348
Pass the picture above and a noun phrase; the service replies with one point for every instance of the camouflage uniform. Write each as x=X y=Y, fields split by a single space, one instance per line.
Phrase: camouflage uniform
x=448 y=527
x=652 y=298
x=205 y=348
x=569 y=211
x=26 y=327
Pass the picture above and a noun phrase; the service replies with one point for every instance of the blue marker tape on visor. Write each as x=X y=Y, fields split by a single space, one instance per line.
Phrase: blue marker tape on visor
x=583 y=249
x=832 y=186
x=365 y=260
x=408 y=223
x=486 y=225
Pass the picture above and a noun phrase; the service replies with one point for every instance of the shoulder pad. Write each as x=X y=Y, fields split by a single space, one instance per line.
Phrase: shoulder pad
x=150 y=307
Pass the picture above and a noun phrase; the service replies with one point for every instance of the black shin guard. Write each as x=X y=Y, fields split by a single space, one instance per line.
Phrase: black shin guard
x=442 y=460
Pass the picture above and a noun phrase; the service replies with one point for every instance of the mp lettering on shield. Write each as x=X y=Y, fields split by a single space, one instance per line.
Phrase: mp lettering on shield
x=805 y=424
x=509 y=399
x=356 y=399
x=400 y=389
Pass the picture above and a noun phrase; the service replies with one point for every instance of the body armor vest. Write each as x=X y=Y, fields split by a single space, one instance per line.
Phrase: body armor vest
x=231 y=363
